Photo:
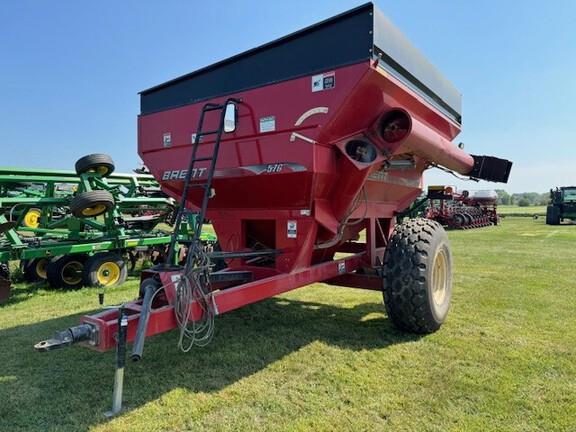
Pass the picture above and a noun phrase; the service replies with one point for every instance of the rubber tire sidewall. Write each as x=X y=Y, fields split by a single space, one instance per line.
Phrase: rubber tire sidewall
x=86 y=163
x=552 y=215
x=408 y=276
x=90 y=199
x=30 y=269
x=57 y=265
x=95 y=262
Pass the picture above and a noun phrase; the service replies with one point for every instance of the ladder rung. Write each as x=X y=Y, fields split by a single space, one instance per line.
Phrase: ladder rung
x=207 y=158
x=212 y=107
x=212 y=132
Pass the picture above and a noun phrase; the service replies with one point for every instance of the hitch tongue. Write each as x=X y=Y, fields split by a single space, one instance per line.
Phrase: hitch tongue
x=67 y=337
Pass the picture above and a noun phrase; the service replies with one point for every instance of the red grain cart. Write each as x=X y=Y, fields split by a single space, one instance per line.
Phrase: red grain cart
x=301 y=152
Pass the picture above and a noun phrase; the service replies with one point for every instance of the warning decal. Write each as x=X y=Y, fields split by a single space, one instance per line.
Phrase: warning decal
x=292 y=229
x=267 y=124
x=167 y=140
x=323 y=81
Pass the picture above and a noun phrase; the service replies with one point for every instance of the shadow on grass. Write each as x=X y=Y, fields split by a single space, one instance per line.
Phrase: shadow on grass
x=20 y=292
x=25 y=291
x=70 y=388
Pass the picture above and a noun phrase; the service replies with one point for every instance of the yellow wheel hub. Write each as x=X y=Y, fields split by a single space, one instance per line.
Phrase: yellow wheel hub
x=72 y=273
x=108 y=274
x=102 y=170
x=94 y=211
x=32 y=218
x=440 y=278
x=41 y=268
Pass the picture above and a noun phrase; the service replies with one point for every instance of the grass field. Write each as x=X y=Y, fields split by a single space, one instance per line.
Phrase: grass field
x=323 y=358
x=531 y=211
x=514 y=210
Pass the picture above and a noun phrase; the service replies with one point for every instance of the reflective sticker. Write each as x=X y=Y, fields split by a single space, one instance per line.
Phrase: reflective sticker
x=167 y=140
x=310 y=112
x=267 y=124
x=341 y=268
x=193 y=138
x=323 y=81
x=292 y=229
x=381 y=176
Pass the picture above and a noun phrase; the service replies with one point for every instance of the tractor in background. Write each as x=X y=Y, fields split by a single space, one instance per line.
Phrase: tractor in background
x=562 y=205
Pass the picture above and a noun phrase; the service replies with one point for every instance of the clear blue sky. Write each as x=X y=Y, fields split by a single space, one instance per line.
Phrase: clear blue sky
x=70 y=72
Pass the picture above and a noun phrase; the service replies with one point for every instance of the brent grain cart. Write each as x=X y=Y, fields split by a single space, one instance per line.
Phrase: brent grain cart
x=292 y=150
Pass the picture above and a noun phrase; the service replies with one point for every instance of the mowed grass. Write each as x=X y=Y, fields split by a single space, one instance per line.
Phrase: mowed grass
x=324 y=358
x=505 y=210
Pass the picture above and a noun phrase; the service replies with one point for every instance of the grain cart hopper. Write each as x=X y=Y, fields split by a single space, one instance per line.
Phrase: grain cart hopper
x=562 y=205
x=292 y=150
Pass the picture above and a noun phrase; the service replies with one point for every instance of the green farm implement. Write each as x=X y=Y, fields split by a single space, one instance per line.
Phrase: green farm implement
x=83 y=227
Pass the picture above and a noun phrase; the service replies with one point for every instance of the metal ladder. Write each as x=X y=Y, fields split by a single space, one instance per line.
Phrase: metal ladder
x=207 y=183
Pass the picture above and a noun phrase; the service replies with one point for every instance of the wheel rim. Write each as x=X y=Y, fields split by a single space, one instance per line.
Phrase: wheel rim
x=101 y=169
x=41 y=268
x=31 y=220
x=108 y=274
x=72 y=273
x=440 y=278
x=94 y=211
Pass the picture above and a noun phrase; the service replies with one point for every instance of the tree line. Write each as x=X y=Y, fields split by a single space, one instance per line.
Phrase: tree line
x=524 y=199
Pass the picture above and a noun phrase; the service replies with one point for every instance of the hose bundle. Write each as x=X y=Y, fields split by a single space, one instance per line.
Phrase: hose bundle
x=194 y=286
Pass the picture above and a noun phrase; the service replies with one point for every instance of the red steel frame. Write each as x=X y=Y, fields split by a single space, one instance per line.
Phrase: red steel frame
x=162 y=314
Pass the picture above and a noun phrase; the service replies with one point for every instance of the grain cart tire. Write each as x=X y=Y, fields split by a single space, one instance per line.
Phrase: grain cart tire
x=552 y=215
x=417 y=275
x=95 y=163
x=35 y=270
x=91 y=203
x=65 y=271
x=105 y=269
x=32 y=218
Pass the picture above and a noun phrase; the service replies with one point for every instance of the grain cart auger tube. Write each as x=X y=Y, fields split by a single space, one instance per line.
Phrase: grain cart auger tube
x=337 y=123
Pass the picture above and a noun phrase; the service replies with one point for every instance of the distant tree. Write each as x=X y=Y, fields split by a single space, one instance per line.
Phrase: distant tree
x=544 y=199
x=503 y=197
x=523 y=202
x=533 y=198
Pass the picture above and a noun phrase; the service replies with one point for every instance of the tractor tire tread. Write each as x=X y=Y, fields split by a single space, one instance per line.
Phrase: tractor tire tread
x=89 y=199
x=86 y=163
x=405 y=272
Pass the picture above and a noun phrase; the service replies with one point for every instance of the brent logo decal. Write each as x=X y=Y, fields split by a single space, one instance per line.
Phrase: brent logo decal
x=181 y=174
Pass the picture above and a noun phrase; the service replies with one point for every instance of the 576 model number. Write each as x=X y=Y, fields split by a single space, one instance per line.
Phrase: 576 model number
x=274 y=168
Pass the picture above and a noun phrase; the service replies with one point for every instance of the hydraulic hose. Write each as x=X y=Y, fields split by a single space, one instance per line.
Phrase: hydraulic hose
x=138 y=346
